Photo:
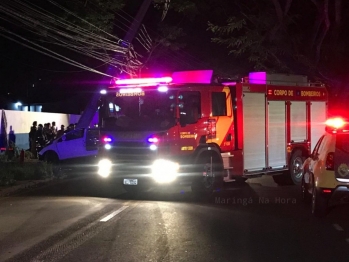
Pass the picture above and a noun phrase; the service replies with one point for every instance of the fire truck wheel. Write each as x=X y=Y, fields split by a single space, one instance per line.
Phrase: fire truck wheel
x=296 y=164
x=210 y=176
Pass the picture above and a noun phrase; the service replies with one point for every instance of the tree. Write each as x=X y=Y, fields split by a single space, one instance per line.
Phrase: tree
x=99 y=13
x=259 y=33
x=293 y=36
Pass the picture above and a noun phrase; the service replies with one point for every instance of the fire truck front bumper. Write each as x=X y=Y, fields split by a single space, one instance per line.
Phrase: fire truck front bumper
x=159 y=171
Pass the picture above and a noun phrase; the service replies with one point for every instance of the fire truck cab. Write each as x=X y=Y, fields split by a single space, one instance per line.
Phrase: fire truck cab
x=192 y=127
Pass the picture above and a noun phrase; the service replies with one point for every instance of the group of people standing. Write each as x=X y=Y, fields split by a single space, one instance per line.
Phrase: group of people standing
x=40 y=135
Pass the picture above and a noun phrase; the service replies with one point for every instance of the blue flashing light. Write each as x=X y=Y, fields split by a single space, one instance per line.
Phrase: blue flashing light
x=153 y=140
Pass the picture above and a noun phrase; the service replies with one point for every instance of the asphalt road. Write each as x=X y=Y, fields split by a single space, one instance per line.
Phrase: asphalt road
x=86 y=219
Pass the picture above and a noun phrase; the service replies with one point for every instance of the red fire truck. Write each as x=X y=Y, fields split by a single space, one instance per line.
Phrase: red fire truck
x=191 y=127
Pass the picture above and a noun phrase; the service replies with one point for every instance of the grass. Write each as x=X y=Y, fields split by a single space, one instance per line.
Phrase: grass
x=31 y=169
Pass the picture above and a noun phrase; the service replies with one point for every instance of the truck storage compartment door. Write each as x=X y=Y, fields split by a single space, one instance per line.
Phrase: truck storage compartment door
x=276 y=134
x=254 y=131
x=298 y=121
x=318 y=112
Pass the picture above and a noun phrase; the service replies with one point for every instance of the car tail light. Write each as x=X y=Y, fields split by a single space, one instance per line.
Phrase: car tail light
x=330 y=161
x=327 y=191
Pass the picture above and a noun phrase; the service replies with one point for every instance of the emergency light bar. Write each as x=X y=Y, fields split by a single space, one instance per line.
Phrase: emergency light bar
x=135 y=81
x=163 y=88
x=337 y=125
x=335 y=122
x=229 y=83
x=130 y=90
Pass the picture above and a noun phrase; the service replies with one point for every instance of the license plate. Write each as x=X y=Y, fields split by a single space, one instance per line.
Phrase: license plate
x=130 y=182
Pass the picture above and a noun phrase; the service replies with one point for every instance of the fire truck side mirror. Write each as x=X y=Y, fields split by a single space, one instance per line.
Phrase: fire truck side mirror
x=182 y=119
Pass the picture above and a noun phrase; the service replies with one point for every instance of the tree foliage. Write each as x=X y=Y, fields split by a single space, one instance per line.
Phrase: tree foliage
x=296 y=36
x=99 y=13
x=258 y=32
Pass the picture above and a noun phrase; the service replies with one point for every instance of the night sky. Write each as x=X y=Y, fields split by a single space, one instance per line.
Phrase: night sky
x=29 y=76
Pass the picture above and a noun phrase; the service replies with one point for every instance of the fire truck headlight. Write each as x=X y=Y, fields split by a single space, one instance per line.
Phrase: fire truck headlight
x=164 y=171
x=104 y=167
x=107 y=146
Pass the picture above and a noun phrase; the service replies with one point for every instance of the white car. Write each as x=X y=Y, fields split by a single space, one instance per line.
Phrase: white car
x=325 y=179
x=77 y=144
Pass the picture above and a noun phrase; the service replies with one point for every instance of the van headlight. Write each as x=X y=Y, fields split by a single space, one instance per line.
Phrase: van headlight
x=104 y=167
x=164 y=171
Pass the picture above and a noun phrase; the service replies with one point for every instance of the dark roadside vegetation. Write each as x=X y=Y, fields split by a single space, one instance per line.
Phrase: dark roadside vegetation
x=14 y=168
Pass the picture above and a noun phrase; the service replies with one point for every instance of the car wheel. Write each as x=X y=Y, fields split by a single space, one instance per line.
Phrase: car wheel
x=51 y=157
x=306 y=196
x=210 y=175
x=296 y=164
x=319 y=205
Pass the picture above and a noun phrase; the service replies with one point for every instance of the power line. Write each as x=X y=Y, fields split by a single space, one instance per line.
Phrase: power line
x=65 y=34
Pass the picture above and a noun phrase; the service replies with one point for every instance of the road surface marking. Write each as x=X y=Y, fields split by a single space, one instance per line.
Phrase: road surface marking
x=105 y=219
x=338 y=227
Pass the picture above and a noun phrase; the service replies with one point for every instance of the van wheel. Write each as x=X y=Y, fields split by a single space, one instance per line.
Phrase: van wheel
x=52 y=158
x=296 y=164
x=210 y=174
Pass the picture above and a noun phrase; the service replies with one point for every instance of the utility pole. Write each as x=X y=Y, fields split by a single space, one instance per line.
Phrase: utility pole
x=92 y=107
x=131 y=33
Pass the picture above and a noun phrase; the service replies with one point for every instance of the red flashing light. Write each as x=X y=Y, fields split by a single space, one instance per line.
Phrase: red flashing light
x=136 y=81
x=107 y=139
x=335 y=122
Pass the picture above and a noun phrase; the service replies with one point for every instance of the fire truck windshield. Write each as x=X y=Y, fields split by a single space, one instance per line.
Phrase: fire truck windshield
x=138 y=110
